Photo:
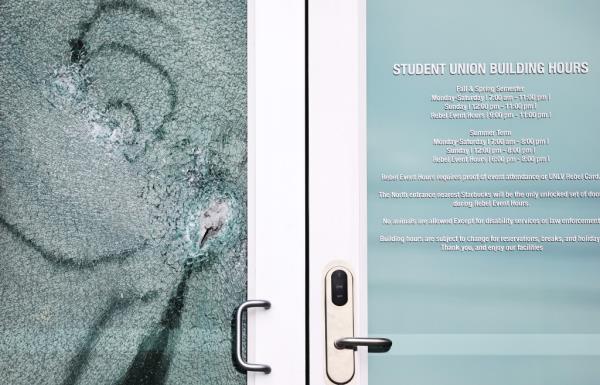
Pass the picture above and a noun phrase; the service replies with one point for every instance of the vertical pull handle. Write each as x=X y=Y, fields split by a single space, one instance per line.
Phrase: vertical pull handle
x=238 y=338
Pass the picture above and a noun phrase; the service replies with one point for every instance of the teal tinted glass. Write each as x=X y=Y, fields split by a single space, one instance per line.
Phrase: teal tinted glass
x=122 y=190
x=483 y=210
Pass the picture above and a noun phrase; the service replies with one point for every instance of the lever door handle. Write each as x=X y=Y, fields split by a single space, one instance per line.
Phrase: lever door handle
x=375 y=345
x=238 y=338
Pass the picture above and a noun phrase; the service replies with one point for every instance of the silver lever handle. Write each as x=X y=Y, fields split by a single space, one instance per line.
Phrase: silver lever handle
x=375 y=345
x=238 y=338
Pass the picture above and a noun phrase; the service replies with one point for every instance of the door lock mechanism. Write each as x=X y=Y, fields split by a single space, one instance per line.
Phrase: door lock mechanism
x=339 y=327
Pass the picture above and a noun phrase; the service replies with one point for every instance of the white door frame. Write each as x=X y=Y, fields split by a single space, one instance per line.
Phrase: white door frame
x=337 y=153
x=276 y=186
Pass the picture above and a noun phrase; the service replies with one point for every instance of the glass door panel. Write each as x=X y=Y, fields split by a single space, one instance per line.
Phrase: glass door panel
x=123 y=191
x=482 y=188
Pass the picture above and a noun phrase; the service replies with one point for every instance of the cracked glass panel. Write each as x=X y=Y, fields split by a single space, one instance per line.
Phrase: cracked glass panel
x=122 y=190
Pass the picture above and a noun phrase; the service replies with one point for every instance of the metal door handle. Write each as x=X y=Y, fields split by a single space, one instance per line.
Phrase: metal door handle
x=375 y=345
x=238 y=338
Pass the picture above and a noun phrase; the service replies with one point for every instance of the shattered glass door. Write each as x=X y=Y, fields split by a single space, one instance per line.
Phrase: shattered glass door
x=122 y=190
